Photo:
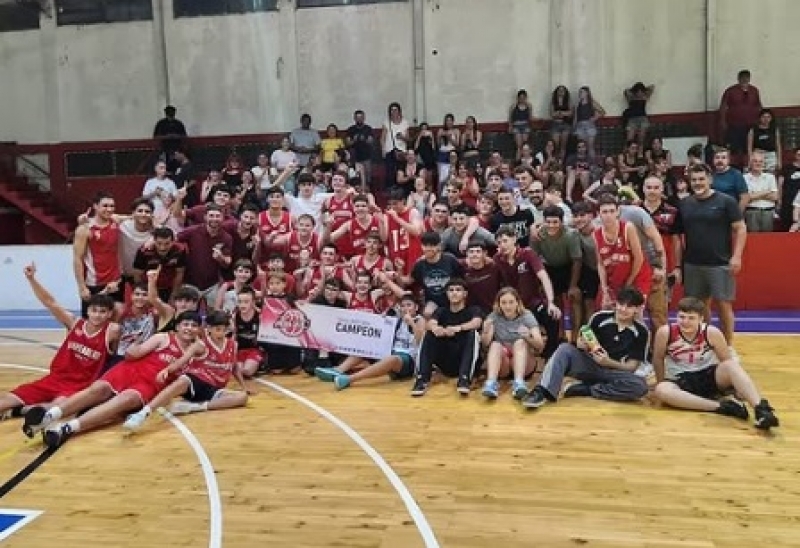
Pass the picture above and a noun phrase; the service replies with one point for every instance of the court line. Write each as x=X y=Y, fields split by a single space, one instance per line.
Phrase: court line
x=212 y=488
x=30 y=515
x=408 y=499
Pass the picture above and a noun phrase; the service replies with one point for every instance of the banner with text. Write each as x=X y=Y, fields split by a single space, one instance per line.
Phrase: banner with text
x=349 y=332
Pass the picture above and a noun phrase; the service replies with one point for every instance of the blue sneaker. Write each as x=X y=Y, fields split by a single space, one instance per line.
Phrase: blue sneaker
x=491 y=389
x=341 y=381
x=326 y=374
x=519 y=390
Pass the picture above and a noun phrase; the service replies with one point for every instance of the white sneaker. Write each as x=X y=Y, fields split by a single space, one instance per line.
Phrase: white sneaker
x=135 y=421
x=644 y=370
x=183 y=408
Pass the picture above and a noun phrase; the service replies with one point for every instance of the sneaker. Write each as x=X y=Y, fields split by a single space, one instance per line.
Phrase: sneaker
x=135 y=421
x=35 y=421
x=519 y=390
x=12 y=413
x=535 y=398
x=578 y=390
x=765 y=418
x=182 y=407
x=57 y=436
x=341 y=382
x=326 y=374
x=420 y=387
x=732 y=408
x=491 y=389
x=644 y=370
x=464 y=386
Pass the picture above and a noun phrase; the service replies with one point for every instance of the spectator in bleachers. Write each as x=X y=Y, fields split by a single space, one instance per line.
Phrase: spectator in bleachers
x=795 y=226
x=759 y=216
x=425 y=148
x=635 y=116
x=579 y=168
x=232 y=172
x=282 y=159
x=262 y=172
x=549 y=165
x=421 y=198
x=408 y=171
x=632 y=166
x=789 y=185
x=561 y=125
x=305 y=141
x=520 y=119
x=739 y=111
x=170 y=132
x=657 y=152
x=394 y=142
x=608 y=183
x=330 y=146
x=360 y=142
x=554 y=196
x=766 y=137
x=470 y=142
x=587 y=112
x=157 y=187
x=526 y=157
x=210 y=184
x=729 y=180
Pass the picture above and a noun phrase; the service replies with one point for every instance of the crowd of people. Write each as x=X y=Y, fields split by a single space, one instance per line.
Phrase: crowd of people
x=479 y=261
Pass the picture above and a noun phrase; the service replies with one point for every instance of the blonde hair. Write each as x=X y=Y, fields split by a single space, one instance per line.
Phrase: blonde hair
x=508 y=291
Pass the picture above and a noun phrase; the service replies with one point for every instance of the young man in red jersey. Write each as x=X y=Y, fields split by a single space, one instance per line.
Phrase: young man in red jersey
x=79 y=359
x=202 y=382
x=95 y=254
x=127 y=387
x=353 y=232
x=404 y=226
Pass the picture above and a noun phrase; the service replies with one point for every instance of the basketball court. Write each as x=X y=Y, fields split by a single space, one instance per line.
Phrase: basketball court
x=372 y=467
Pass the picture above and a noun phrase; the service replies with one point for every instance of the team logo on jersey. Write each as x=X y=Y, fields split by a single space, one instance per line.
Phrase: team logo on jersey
x=292 y=322
x=12 y=521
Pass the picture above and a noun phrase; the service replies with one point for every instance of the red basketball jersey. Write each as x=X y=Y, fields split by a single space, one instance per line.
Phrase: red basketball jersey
x=316 y=276
x=149 y=366
x=295 y=247
x=379 y=265
x=267 y=227
x=617 y=259
x=401 y=244
x=365 y=304
x=81 y=356
x=216 y=366
x=358 y=234
x=101 y=262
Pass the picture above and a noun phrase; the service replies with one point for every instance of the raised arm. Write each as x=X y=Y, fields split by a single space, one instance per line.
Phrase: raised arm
x=66 y=318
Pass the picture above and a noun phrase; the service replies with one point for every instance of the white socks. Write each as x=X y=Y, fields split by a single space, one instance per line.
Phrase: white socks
x=53 y=414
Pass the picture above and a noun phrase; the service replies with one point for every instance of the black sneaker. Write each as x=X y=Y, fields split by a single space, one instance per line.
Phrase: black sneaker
x=57 y=437
x=765 y=418
x=578 y=390
x=34 y=421
x=420 y=387
x=535 y=398
x=464 y=386
x=733 y=408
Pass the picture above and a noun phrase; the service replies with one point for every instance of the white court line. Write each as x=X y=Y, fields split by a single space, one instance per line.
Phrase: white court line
x=30 y=515
x=413 y=508
x=214 y=500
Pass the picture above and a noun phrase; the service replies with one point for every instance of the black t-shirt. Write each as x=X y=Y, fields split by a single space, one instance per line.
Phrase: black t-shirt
x=791 y=186
x=707 y=226
x=520 y=221
x=432 y=277
x=629 y=342
x=360 y=134
x=447 y=318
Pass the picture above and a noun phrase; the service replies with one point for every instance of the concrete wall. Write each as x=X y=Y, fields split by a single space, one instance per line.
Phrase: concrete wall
x=256 y=73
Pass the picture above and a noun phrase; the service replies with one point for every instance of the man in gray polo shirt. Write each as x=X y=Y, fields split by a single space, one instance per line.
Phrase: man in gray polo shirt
x=305 y=141
x=715 y=238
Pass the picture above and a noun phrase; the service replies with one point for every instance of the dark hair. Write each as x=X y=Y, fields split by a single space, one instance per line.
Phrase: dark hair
x=506 y=230
x=304 y=178
x=217 y=318
x=247 y=290
x=393 y=105
x=456 y=282
x=100 y=196
x=744 y=73
x=430 y=238
x=252 y=208
x=276 y=190
x=141 y=286
x=700 y=168
x=524 y=169
x=477 y=243
x=460 y=209
x=583 y=207
x=695 y=151
x=553 y=211
x=142 y=201
x=333 y=282
x=357 y=112
x=772 y=122
x=565 y=104
x=396 y=195
x=692 y=304
x=441 y=202
x=244 y=263
x=607 y=199
x=330 y=245
x=213 y=207
x=630 y=295
x=188 y=316
x=101 y=301
x=187 y=293
x=163 y=233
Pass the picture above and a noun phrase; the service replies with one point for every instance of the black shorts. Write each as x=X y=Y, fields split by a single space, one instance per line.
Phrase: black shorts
x=701 y=383
x=199 y=390
x=589 y=283
x=282 y=358
x=560 y=277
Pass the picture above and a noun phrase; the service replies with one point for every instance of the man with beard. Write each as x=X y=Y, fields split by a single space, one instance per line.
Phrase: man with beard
x=729 y=180
x=361 y=141
x=209 y=251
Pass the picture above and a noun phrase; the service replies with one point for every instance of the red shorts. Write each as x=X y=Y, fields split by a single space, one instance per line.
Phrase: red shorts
x=249 y=354
x=46 y=389
x=132 y=376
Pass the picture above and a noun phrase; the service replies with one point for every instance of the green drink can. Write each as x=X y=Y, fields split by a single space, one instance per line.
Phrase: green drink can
x=589 y=336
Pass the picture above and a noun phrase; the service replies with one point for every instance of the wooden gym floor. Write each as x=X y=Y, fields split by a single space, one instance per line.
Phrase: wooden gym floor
x=468 y=473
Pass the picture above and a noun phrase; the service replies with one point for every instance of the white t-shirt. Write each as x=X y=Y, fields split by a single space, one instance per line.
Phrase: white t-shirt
x=129 y=243
x=308 y=206
x=393 y=129
x=165 y=184
x=282 y=158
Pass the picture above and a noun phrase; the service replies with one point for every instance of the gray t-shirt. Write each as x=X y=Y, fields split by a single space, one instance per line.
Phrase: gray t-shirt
x=559 y=250
x=307 y=138
x=589 y=250
x=642 y=220
x=507 y=330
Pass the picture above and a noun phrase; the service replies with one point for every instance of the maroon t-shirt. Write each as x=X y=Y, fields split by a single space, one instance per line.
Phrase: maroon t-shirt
x=521 y=273
x=149 y=259
x=202 y=269
x=197 y=215
x=242 y=248
x=483 y=284
x=744 y=106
